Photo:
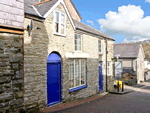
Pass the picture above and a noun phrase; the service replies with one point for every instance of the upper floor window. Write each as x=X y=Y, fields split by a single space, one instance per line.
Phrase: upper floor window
x=99 y=46
x=59 y=23
x=78 y=42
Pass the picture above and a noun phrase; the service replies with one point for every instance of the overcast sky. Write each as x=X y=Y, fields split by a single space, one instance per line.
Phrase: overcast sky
x=124 y=20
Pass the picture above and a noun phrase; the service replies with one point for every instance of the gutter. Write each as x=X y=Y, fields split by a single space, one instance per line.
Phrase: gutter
x=35 y=15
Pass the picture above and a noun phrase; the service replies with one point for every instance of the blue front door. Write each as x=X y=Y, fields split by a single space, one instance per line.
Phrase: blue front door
x=100 y=77
x=53 y=79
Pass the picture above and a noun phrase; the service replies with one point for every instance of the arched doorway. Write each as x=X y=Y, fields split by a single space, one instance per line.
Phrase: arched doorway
x=53 y=79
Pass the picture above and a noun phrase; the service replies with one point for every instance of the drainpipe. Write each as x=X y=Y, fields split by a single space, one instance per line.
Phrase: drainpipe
x=106 y=64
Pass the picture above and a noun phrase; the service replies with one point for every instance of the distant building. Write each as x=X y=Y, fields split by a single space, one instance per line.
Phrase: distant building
x=130 y=60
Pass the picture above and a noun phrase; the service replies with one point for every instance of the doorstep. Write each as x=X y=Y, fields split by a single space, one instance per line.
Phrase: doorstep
x=62 y=106
x=121 y=93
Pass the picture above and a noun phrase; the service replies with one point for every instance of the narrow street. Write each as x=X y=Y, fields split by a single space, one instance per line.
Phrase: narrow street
x=133 y=102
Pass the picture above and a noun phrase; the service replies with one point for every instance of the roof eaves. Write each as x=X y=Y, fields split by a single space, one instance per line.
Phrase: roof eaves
x=94 y=33
x=34 y=15
x=102 y=34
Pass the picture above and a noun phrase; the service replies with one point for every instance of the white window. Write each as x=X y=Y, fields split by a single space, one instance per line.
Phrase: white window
x=77 y=73
x=99 y=46
x=59 y=23
x=108 y=68
x=78 y=42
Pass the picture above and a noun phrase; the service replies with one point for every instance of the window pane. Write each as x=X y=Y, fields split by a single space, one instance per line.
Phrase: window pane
x=62 y=29
x=62 y=19
x=71 y=74
x=57 y=17
x=77 y=42
x=77 y=76
x=56 y=27
x=78 y=73
x=83 y=72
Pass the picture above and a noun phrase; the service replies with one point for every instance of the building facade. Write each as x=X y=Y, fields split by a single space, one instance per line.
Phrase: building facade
x=62 y=56
x=130 y=57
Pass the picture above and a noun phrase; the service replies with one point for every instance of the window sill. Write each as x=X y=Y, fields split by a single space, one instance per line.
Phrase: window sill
x=78 y=88
x=64 y=35
x=100 y=53
x=78 y=51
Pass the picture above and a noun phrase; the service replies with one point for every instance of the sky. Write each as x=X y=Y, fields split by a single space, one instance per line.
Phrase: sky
x=123 y=20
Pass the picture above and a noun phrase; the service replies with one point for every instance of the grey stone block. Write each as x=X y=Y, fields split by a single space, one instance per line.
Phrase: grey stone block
x=19 y=74
x=4 y=64
x=8 y=73
x=5 y=79
x=1 y=45
x=5 y=97
x=4 y=55
x=5 y=104
x=15 y=57
x=16 y=102
x=15 y=66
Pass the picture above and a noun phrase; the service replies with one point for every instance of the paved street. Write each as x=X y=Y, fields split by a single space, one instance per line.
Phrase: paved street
x=134 y=102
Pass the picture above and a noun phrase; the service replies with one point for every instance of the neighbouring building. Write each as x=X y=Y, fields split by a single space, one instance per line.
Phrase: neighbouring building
x=11 y=55
x=129 y=60
x=64 y=59
x=146 y=47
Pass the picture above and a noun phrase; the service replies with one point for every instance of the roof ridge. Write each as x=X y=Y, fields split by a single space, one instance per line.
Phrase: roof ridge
x=41 y=2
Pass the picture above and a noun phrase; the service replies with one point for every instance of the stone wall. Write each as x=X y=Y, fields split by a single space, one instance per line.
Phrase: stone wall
x=11 y=72
x=35 y=66
x=110 y=83
x=92 y=81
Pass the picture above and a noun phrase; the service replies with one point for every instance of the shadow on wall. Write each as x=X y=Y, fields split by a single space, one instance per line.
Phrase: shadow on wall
x=35 y=66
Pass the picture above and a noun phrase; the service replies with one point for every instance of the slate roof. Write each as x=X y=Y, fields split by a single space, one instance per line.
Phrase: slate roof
x=84 y=27
x=45 y=7
x=28 y=8
x=126 y=50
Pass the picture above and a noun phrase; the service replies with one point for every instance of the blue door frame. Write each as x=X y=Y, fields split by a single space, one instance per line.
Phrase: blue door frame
x=100 y=77
x=53 y=79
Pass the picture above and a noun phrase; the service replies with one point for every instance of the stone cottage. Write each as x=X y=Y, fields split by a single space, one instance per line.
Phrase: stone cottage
x=129 y=58
x=64 y=59
x=11 y=55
